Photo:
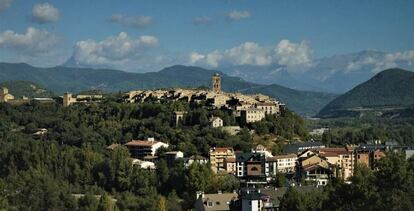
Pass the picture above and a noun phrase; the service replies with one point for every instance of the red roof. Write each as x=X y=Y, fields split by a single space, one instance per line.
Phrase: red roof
x=333 y=151
x=223 y=149
x=141 y=143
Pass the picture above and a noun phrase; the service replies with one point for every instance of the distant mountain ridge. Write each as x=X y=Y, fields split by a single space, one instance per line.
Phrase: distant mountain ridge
x=391 y=88
x=335 y=74
x=61 y=79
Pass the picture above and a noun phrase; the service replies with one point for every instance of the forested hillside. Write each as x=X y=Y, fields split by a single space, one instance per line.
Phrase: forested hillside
x=72 y=157
x=392 y=88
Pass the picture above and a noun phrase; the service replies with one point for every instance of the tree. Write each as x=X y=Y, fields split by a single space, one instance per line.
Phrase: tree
x=292 y=201
x=88 y=202
x=280 y=180
x=162 y=204
x=105 y=203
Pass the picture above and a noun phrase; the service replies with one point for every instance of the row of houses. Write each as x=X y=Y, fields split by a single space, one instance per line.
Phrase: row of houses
x=314 y=162
x=316 y=165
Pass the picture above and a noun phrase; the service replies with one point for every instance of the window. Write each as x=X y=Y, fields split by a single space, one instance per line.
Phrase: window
x=217 y=203
x=209 y=204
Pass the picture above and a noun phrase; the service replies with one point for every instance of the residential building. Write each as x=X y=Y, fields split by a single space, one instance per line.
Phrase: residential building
x=268 y=107
x=298 y=147
x=368 y=156
x=230 y=165
x=217 y=157
x=113 y=146
x=409 y=152
x=272 y=196
x=172 y=156
x=282 y=163
x=216 y=122
x=144 y=164
x=214 y=202
x=251 y=167
x=40 y=132
x=251 y=115
x=140 y=148
x=316 y=169
x=261 y=149
x=195 y=159
x=318 y=131
x=342 y=158
x=252 y=199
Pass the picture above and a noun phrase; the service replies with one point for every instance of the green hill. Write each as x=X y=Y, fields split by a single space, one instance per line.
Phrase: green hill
x=308 y=103
x=389 y=89
x=62 y=79
x=26 y=88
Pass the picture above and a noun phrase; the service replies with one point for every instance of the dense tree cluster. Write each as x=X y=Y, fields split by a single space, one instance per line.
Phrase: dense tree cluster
x=48 y=172
x=43 y=172
x=360 y=130
x=389 y=187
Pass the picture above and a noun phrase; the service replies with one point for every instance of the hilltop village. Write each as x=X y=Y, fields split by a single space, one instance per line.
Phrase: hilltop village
x=249 y=108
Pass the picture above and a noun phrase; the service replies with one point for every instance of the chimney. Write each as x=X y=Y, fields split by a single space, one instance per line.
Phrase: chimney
x=151 y=139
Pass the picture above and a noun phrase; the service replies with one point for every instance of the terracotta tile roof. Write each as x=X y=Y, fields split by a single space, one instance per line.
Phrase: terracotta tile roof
x=284 y=156
x=223 y=149
x=141 y=143
x=330 y=152
x=113 y=146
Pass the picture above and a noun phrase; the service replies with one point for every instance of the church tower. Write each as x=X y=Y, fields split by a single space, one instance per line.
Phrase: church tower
x=216 y=83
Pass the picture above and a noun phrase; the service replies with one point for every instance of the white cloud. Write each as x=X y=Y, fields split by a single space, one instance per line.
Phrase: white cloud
x=238 y=15
x=44 y=13
x=203 y=20
x=34 y=42
x=4 y=4
x=121 y=51
x=291 y=55
x=380 y=61
x=131 y=21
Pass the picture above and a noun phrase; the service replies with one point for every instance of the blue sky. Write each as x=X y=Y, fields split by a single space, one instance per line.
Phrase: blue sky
x=210 y=28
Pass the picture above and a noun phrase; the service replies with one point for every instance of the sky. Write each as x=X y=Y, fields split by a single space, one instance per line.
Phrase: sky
x=146 y=35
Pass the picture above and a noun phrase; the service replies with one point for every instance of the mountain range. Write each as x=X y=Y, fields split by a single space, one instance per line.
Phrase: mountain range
x=391 y=89
x=62 y=79
x=335 y=74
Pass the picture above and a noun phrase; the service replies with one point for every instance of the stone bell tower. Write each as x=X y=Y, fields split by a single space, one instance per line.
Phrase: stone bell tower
x=216 y=83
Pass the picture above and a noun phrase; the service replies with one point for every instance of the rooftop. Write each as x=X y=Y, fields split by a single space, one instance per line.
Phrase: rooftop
x=222 y=149
x=141 y=143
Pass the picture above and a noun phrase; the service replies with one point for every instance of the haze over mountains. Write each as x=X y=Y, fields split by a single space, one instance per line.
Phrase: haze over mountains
x=336 y=74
